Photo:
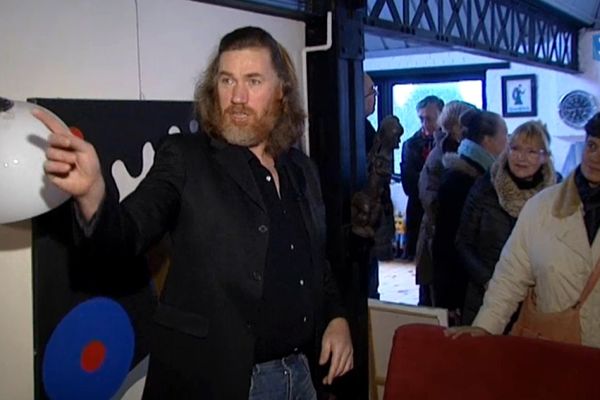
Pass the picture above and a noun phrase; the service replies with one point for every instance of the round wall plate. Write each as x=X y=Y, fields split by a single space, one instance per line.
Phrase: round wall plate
x=576 y=108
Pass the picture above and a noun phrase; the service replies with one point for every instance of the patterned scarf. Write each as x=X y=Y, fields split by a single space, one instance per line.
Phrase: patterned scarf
x=513 y=192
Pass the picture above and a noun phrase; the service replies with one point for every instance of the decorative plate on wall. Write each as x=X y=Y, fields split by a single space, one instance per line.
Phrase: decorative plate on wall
x=576 y=108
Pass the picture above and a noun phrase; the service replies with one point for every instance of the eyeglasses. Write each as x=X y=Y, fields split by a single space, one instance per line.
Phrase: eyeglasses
x=530 y=155
x=372 y=92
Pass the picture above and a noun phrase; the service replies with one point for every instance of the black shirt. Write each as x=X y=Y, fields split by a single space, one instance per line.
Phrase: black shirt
x=285 y=322
x=590 y=198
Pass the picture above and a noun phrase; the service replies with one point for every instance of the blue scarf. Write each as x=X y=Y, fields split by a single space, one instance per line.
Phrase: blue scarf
x=475 y=152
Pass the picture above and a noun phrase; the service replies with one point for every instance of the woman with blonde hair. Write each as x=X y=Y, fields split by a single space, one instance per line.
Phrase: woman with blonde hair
x=494 y=203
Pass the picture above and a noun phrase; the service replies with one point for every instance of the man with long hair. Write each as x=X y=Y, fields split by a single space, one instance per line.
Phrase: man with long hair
x=249 y=302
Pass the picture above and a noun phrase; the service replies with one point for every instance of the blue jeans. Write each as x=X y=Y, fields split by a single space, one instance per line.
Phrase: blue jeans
x=283 y=379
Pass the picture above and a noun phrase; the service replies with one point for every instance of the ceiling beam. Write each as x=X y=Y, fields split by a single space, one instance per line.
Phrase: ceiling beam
x=507 y=29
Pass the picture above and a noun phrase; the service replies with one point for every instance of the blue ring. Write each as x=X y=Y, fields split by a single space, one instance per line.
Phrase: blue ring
x=100 y=319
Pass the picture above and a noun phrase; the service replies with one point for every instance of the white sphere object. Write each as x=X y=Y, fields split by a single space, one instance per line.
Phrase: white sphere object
x=25 y=191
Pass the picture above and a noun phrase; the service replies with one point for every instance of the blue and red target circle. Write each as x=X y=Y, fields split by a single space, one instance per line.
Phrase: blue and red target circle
x=89 y=353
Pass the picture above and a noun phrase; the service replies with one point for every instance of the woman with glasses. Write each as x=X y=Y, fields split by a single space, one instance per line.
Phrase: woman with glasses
x=494 y=203
x=553 y=249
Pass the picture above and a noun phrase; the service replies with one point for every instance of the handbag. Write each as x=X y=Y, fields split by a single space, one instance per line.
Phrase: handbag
x=562 y=326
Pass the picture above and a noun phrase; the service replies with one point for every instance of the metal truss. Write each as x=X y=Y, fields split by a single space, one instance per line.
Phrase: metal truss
x=515 y=30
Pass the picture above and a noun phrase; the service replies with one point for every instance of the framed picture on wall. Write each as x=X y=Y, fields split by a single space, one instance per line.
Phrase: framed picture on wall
x=519 y=96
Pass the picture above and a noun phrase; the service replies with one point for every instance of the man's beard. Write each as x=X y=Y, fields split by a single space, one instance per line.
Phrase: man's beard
x=254 y=131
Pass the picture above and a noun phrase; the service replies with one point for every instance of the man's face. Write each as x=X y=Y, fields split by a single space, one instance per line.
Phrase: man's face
x=590 y=160
x=249 y=96
x=429 y=117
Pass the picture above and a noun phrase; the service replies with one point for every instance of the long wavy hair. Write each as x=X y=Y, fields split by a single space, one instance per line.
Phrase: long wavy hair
x=449 y=119
x=289 y=126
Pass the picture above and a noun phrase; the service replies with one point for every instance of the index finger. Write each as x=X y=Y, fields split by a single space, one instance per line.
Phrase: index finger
x=454 y=332
x=51 y=121
x=333 y=367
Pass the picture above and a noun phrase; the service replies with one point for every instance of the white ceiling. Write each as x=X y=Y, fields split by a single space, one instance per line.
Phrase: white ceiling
x=380 y=46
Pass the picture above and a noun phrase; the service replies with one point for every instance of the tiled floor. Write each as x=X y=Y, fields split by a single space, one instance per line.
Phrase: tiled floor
x=397 y=282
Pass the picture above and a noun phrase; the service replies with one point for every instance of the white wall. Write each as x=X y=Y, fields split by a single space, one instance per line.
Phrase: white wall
x=16 y=335
x=89 y=49
x=552 y=85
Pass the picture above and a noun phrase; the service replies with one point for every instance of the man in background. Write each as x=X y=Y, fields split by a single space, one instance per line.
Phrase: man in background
x=414 y=153
x=380 y=147
x=370 y=98
x=370 y=132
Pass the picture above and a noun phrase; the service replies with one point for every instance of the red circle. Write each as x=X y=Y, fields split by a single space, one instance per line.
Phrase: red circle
x=92 y=356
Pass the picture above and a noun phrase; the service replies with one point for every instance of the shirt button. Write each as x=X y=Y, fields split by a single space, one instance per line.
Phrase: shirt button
x=291 y=247
x=304 y=319
x=269 y=178
x=257 y=276
x=301 y=282
x=263 y=229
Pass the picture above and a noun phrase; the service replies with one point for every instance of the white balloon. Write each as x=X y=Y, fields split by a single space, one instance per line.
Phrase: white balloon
x=25 y=191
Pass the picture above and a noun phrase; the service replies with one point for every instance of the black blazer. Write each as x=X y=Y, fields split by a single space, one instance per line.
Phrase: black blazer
x=201 y=191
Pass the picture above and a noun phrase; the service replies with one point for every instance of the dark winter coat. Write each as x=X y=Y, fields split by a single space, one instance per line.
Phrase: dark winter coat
x=414 y=153
x=489 y=215
x=429 y=184
x=385 y=231
x=449 y=278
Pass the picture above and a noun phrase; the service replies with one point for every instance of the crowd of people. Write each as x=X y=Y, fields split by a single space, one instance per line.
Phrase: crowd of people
x=468 y=184
x=551 y=251
x=499 y=225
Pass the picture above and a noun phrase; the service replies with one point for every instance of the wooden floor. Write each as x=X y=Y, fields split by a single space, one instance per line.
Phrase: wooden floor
x=397 y=282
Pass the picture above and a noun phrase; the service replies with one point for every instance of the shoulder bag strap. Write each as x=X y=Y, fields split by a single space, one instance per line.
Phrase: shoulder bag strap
x=589 y=286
